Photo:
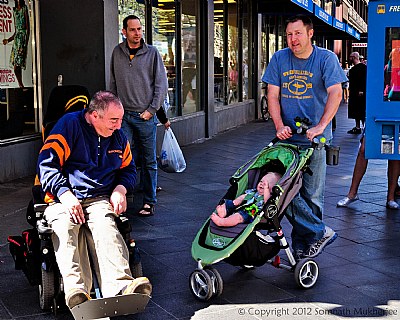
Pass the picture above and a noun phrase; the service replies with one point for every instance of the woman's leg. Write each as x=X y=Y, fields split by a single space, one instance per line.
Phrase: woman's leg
x=18 y=74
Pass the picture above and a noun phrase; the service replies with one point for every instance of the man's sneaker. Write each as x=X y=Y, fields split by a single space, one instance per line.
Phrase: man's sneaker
x=139 y=285
x=76 y=296
x=317 y=247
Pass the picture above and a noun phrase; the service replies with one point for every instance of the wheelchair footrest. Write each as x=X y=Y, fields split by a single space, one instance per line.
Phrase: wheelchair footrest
x=111 y=307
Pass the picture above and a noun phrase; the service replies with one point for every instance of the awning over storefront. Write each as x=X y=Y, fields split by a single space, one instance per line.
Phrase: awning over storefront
x=323 y=15
x=339 y=25
x=324 y=24
x=306 y=4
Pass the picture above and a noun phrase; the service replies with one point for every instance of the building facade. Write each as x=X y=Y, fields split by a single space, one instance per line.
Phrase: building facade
x=214 y=54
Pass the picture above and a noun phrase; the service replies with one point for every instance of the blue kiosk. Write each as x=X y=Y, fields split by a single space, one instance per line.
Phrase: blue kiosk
x=383 y=81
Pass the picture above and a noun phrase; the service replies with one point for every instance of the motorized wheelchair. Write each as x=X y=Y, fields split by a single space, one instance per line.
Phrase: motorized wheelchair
x=33 y=250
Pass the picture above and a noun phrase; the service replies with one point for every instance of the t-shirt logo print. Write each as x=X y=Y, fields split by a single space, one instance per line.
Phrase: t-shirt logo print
x=297 y=87
x=297 y=84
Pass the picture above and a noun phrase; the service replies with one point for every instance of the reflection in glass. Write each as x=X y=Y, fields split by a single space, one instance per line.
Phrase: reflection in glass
x=233 y=45
x=165 y=41
x=127 y=7
x=245 y=64
x=18 y=115
x=218 y=53
x=226 y=44
x=190 y=98
x=391 y=91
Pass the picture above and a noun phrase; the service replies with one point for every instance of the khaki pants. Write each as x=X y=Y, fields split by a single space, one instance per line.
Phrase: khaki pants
x=73 y=242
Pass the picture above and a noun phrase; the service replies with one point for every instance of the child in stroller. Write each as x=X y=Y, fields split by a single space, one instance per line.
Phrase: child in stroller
x=232 y=212
x=245 y=243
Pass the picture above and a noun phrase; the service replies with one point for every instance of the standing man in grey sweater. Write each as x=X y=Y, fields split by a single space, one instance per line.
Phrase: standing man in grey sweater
x=139 y=79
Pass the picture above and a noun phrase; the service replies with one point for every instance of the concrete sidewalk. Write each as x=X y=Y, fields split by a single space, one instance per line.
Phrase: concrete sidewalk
x=359 y=272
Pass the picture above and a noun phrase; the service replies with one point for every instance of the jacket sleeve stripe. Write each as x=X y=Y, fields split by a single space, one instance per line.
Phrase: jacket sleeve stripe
x=62 y=141
x=58 y=143
x=127 y=157
x=57 y=149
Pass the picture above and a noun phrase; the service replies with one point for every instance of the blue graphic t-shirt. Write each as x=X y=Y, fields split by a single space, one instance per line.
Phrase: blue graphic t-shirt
x=303 y=85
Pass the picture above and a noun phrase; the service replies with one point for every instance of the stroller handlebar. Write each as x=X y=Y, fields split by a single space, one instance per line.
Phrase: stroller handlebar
x=273 y=141
x=303 y=125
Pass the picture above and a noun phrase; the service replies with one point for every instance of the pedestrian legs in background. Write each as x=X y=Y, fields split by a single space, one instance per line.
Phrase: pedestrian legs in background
x=358 y=173
x=334 y=124
x=393 y=173
x=346 y=93
x=357 y=129
x=142 y=135
x=360 y=167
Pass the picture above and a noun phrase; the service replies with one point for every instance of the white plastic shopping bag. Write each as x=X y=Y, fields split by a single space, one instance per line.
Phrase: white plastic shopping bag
x=171 y=156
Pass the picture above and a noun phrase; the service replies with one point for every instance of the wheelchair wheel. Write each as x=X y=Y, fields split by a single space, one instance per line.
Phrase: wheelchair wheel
x=46 y=290
x=264 y=109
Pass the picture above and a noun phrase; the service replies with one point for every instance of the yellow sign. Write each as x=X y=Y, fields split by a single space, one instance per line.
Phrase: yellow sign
x=381 y=9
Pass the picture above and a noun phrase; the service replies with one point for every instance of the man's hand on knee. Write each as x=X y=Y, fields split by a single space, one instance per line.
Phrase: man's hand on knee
x=118 y=199
x=73 y=207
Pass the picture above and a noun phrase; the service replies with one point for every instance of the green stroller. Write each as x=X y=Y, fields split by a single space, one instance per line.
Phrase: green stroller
x=258 y=242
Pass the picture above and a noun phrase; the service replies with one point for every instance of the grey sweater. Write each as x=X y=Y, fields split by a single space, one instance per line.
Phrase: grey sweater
x=142 y=83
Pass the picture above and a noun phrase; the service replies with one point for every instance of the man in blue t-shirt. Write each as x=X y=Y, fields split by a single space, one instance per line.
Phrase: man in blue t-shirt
x=305 y=81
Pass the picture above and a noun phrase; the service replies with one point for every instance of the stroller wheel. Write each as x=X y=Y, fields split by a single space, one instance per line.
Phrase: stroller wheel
x=217 y=282
x=306 y=273
x=201 y=285
x=46 y=290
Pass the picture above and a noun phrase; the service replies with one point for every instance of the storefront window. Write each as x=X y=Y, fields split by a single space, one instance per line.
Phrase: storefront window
x=17 y=112
x=317 y=2
x=218 y=53
x=190 y=100
x=233 y=45
x=281 y=33
x=226 y=44
x=272 y=45
x=391 y=91
x=164 y=38
x=127 y=7
x=165 y=24
x=328 y=7
x=245 y=64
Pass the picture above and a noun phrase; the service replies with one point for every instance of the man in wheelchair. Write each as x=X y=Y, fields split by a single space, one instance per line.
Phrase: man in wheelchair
x=86 y=168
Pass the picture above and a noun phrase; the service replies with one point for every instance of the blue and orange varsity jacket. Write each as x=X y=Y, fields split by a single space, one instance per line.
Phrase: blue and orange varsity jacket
x=74 y=157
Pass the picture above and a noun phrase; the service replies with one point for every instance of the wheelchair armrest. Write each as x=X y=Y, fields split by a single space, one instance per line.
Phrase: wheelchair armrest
x=40 y=207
